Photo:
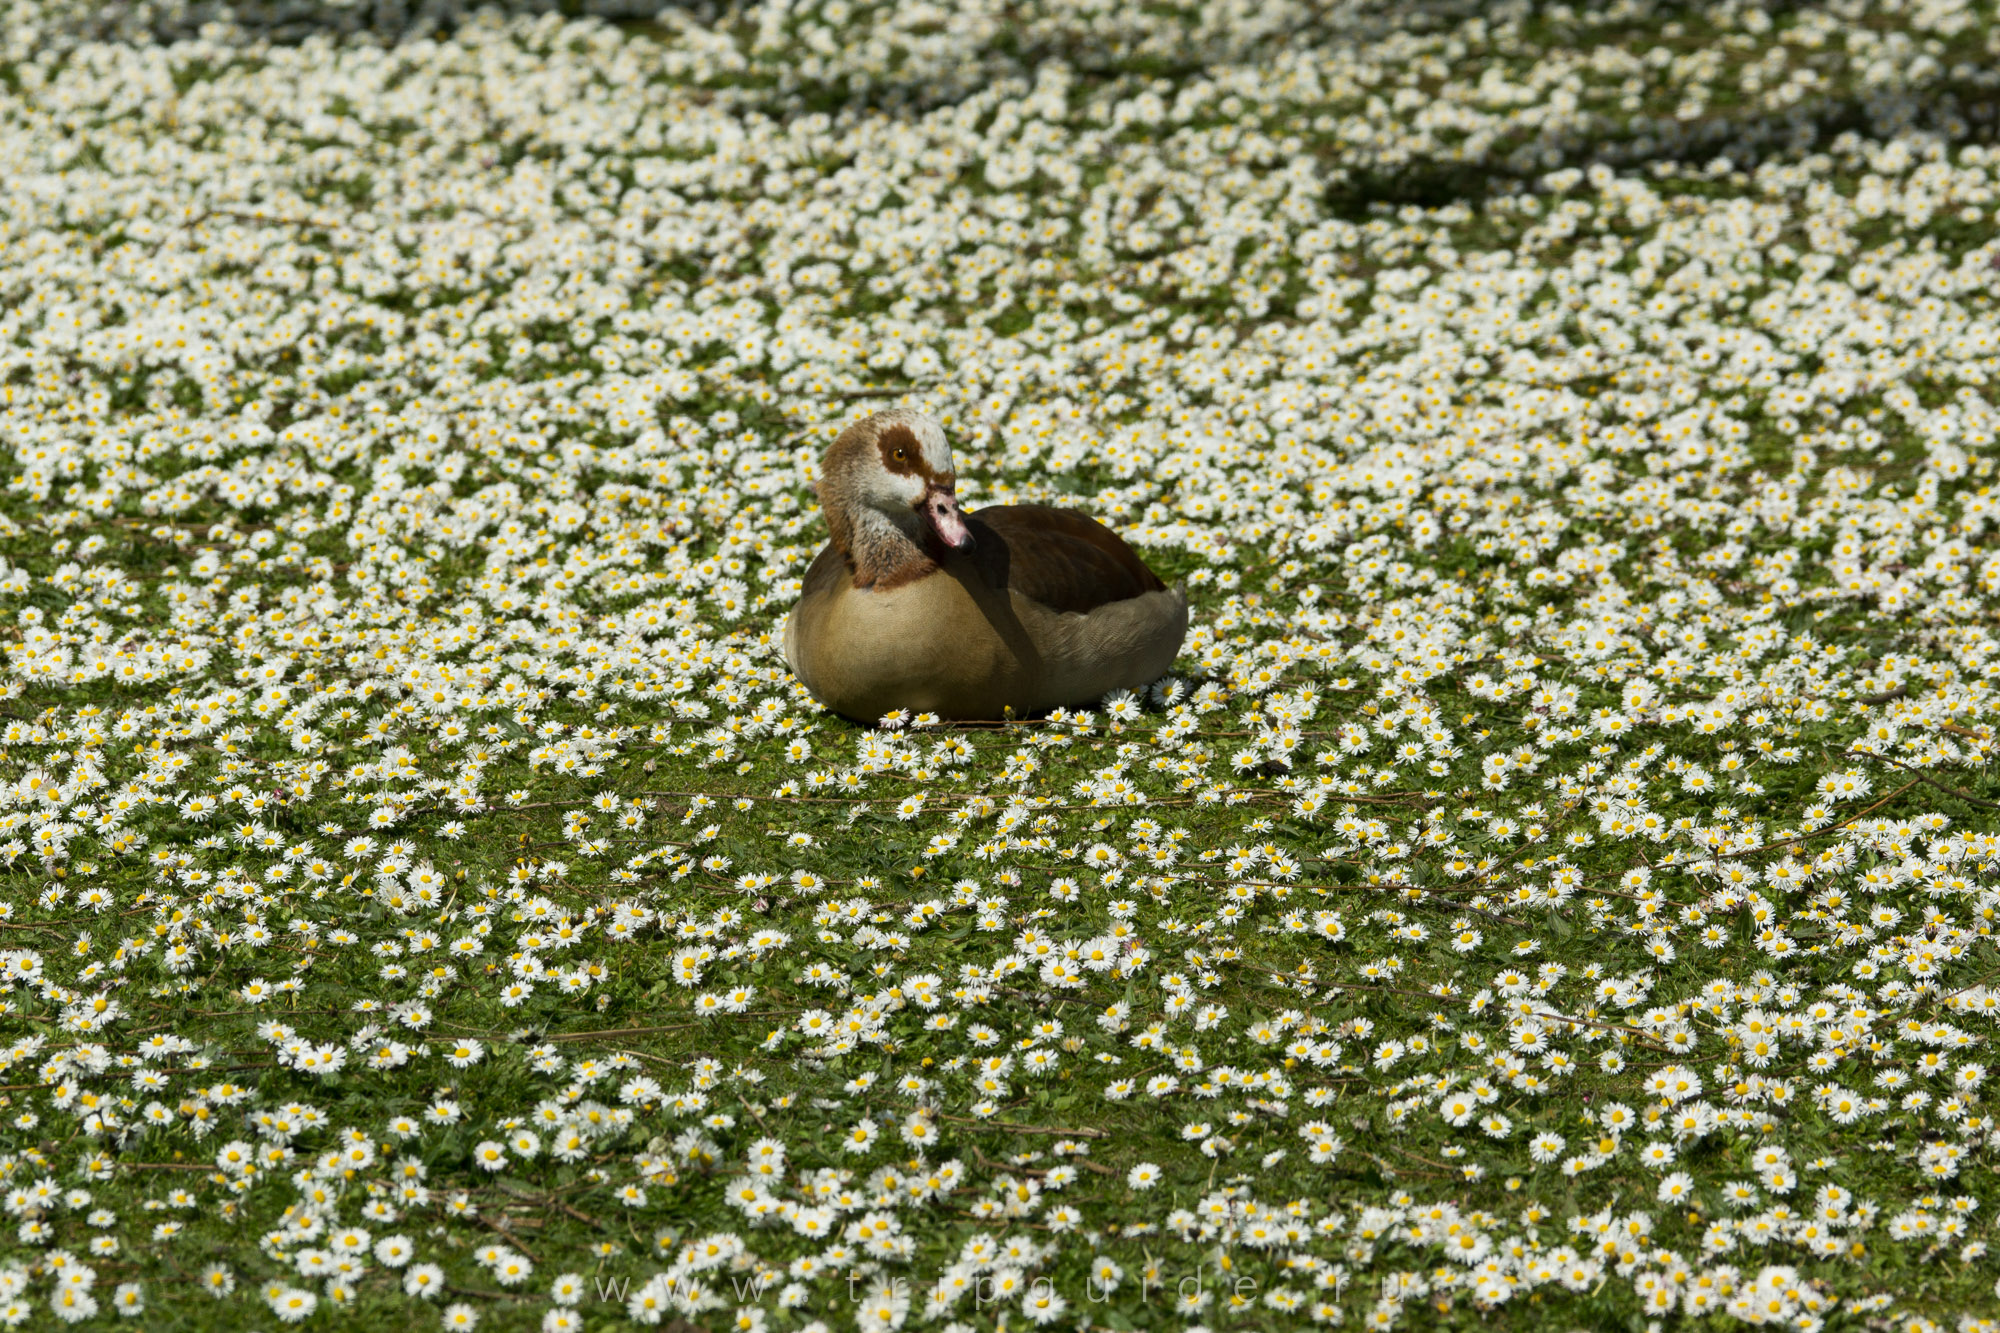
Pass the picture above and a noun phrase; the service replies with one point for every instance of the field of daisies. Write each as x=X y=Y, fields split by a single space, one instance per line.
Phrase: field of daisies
x=1556 y=888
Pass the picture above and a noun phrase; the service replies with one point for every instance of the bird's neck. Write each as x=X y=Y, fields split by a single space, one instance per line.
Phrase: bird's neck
x=885 y=553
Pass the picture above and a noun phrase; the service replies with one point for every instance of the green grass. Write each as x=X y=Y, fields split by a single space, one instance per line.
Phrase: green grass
x=1332 y=583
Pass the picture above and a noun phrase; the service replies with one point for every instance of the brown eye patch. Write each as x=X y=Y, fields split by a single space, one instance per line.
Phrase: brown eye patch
x=901 y=453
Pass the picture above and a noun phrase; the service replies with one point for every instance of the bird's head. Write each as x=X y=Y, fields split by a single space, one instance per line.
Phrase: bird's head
x=897 y=465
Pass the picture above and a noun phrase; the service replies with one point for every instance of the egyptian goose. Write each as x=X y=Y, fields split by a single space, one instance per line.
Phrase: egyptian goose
x=916 y=604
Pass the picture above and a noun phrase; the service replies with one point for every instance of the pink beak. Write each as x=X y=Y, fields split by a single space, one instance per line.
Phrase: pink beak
x=940 y=510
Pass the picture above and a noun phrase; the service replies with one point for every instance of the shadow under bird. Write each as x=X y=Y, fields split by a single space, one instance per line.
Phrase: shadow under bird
x=915 y=603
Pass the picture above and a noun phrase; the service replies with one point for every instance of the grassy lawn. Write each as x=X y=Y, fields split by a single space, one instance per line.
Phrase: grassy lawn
x=1556 y=888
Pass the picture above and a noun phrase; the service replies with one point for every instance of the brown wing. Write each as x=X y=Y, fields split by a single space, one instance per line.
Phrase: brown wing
x=828 y=571
x=1065 y=560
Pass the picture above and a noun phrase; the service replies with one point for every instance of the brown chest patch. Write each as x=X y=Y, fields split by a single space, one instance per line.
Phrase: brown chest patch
x=906 y=573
